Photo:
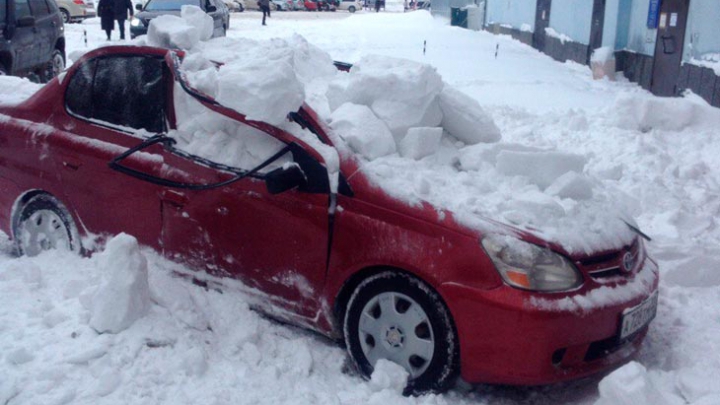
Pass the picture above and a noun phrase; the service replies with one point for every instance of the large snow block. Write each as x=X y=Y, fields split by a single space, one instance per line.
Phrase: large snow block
x=196 y=17
x=420 y=142
x=171 y=31
x=362 y=130
x=400 y=92
x=542 y=168
x=260 y=90
x=124 y=296
x=464 y=118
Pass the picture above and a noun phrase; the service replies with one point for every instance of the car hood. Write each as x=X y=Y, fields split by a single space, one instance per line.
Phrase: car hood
x=149 y=15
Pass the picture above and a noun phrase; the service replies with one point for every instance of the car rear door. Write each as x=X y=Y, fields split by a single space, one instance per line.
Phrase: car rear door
x=113 y=102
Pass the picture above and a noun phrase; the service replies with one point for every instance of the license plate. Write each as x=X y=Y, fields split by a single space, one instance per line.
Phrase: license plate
x=636 y=318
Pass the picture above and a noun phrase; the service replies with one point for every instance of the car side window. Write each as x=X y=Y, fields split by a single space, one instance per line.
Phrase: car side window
x=39 y=8
x=22 y=9
x=126 y=91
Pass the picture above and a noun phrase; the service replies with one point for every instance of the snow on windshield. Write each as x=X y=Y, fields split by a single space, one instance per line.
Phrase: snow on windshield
x=414 y=135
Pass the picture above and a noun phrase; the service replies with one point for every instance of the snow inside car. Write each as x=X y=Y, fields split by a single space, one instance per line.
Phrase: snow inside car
x=317 y=221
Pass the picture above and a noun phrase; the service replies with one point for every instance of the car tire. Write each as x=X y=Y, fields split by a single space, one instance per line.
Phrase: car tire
x=397 y=317
x=54 y=66
x=42 y=224
x=351 y=9
x=65 y=16
x=240 y=8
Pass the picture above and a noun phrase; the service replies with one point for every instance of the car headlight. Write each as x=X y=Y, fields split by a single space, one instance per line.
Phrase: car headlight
x=531 y=267
x=135 y=22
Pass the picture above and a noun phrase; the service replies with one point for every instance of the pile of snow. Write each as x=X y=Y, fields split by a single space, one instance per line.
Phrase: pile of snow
x=554 y=34
x=708 y=60
x=645 y=112
x=184 y=32
x=124 y=295
x=602 y=55
x=633 y=384
x=14 y=90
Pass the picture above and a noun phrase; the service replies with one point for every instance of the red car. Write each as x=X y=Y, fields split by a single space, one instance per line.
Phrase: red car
x=395 y=281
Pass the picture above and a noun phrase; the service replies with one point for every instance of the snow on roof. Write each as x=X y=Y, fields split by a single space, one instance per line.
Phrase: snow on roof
x=469 y=171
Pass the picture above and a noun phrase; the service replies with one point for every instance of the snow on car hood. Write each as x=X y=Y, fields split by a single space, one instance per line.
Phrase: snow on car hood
x=415 y=136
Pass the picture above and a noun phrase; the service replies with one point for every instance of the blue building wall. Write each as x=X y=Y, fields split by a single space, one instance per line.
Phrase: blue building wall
x=610 y=29
x=572 y=18
x=640 y=38
x=511 y=12
x=703 y=29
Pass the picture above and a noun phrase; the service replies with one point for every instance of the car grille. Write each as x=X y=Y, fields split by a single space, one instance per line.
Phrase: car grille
x=613 y=264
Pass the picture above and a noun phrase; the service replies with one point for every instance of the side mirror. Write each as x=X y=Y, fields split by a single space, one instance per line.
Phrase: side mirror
x=211 y=9
x=26 y=21
x=284 y=179
x=138 y=7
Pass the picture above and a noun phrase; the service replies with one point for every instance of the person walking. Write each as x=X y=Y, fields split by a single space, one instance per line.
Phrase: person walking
x=121 y=9
x=106 y=10
x=265 y=7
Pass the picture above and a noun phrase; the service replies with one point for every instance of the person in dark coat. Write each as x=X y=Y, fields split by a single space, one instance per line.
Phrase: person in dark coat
x=107 y=16
x=265 y=7
x=114 y=10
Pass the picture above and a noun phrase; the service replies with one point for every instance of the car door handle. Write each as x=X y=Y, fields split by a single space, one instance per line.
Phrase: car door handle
x=72 y=165
x=175 y=198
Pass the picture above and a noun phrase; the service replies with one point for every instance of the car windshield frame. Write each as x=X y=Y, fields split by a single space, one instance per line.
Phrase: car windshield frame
x=170 y=5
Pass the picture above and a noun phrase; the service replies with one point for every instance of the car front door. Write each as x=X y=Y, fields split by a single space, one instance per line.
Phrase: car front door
x=44 y=30
x=113 y=102
x=277 y=244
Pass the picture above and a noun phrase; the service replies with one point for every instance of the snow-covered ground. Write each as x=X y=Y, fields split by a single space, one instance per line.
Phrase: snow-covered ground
x=186 y=344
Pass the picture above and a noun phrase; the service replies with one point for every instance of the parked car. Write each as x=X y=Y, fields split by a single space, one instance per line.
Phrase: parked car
x=76 y=10
x=311 y=5
x=349 y=5
x=235 y=6
x=298 y=5
x=282 y=5
x=153 y=8
x=320 y=5
x=320 y=244
x=33 y=40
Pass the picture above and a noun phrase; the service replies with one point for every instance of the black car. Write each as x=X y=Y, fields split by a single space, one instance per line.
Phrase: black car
x=153 y=8
x=32 y=43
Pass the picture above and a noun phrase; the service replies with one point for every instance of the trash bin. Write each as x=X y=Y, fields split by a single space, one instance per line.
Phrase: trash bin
x=458 y=17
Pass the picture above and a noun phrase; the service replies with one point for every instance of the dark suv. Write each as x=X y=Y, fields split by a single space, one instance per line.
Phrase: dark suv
x=32 y=43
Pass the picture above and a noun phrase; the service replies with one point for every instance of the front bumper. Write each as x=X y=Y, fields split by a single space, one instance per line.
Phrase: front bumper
x=505 y=338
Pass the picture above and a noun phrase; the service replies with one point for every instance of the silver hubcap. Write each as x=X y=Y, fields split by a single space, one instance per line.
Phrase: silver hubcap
x=394 y=327
x=58 y=64
x=44 y=230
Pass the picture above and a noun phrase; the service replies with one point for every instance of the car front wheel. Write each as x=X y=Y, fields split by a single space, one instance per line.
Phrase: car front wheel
x=396 y=317
x=44 y=224
x=351 y=9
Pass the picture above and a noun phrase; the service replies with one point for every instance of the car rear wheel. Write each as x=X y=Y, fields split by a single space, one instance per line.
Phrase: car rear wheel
x=351 y=9
x=55 y=65
x=65 y=16
x=44 y=224
x=396 y=317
